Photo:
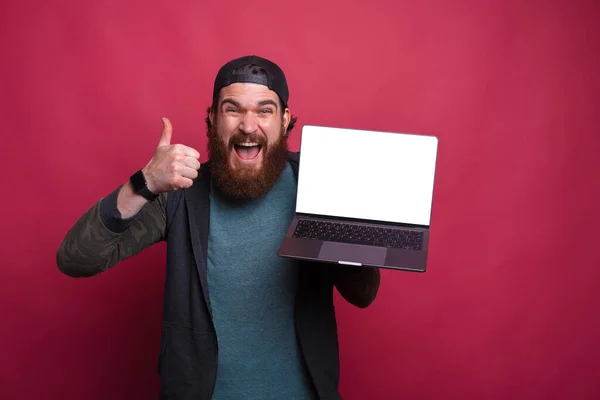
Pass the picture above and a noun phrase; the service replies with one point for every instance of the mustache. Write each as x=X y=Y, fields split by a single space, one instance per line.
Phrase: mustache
x=239 y=138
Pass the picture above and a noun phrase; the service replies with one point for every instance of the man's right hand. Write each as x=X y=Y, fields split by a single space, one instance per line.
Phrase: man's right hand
x=173 y=166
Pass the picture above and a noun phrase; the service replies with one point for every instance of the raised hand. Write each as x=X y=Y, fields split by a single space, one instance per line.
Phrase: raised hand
x=173 y=166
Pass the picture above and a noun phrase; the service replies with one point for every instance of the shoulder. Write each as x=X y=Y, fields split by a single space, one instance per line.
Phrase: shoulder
x=294 y=156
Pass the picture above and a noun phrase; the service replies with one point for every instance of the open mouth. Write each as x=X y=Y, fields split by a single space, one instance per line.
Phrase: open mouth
x=247 y=151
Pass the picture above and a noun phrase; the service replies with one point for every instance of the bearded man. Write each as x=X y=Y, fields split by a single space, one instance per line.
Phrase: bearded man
x=239 y=322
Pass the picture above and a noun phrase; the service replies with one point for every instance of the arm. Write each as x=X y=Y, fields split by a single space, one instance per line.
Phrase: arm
x=102 y=237
x=125 y=223
x=357 y=285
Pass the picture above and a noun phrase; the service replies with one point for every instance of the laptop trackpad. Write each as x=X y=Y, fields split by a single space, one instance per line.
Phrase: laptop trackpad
x=352 y=253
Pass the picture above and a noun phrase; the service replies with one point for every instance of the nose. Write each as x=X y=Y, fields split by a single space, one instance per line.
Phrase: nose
x=249 y=123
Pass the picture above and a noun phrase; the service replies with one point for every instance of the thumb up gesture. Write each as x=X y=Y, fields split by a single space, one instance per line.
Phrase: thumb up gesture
x=173 y=166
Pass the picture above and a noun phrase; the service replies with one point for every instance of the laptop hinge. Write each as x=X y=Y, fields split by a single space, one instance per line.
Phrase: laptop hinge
x=362 y=221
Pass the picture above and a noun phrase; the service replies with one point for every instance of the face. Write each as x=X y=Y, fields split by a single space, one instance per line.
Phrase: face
x=247 y=141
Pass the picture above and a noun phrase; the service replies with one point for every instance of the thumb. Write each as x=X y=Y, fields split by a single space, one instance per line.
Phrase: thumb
x=167 y=132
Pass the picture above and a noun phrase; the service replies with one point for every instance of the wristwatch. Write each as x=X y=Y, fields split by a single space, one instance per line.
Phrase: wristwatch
x=140 y=186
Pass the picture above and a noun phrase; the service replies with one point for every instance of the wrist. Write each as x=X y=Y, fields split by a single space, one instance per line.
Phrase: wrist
x=139 y=185
x=129 y=203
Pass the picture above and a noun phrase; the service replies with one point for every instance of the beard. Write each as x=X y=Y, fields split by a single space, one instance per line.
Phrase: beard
x=246 y=183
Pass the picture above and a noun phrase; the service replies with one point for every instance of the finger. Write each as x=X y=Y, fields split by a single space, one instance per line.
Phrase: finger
x=167 y=132
x=190 y=152
x=184 y=183
x=183 y=150
x=190 y=173
x=191 y=162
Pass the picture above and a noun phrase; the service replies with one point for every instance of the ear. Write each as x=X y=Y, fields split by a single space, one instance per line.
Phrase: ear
x=211 y=115
x=287 y=115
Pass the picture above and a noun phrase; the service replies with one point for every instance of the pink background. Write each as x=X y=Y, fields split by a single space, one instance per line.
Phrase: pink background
x=509 y=306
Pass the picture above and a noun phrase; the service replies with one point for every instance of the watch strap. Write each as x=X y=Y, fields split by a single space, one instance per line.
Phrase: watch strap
x=140 y=186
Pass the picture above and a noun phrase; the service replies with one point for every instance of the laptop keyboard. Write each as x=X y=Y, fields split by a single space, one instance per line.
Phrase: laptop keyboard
x=358 y=234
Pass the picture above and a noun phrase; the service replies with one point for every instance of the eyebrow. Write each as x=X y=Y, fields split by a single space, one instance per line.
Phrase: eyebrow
x=267 y=102
x=260 y=103
x=230 y=101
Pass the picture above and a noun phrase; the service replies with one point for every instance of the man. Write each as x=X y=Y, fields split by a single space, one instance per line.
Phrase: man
x=239 y=322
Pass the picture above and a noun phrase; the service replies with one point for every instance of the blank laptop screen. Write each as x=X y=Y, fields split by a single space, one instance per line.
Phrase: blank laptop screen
x=367 y=175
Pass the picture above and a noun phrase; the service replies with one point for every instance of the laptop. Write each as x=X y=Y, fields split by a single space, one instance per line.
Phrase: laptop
x=364 y=198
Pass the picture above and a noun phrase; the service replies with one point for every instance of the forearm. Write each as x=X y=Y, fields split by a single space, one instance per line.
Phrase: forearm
x=358 y=285
x=102 y=237
x=129 y=203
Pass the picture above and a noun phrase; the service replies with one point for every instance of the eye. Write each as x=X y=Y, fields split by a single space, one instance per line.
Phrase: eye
x=231 y=110
x=266 y=111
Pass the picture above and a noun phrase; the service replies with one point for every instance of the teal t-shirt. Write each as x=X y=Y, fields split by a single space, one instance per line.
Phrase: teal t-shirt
x=252 y=292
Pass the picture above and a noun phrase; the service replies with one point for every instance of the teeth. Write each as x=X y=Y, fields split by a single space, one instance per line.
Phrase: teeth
x=250 y=144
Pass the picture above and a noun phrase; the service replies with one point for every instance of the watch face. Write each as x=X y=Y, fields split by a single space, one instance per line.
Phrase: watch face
x=138 y=181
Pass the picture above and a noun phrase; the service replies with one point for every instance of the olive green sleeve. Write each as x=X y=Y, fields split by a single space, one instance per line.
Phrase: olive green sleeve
x=91 y=247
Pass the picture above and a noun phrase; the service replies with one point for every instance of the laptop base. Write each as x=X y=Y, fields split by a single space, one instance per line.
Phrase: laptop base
x=353 y=254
